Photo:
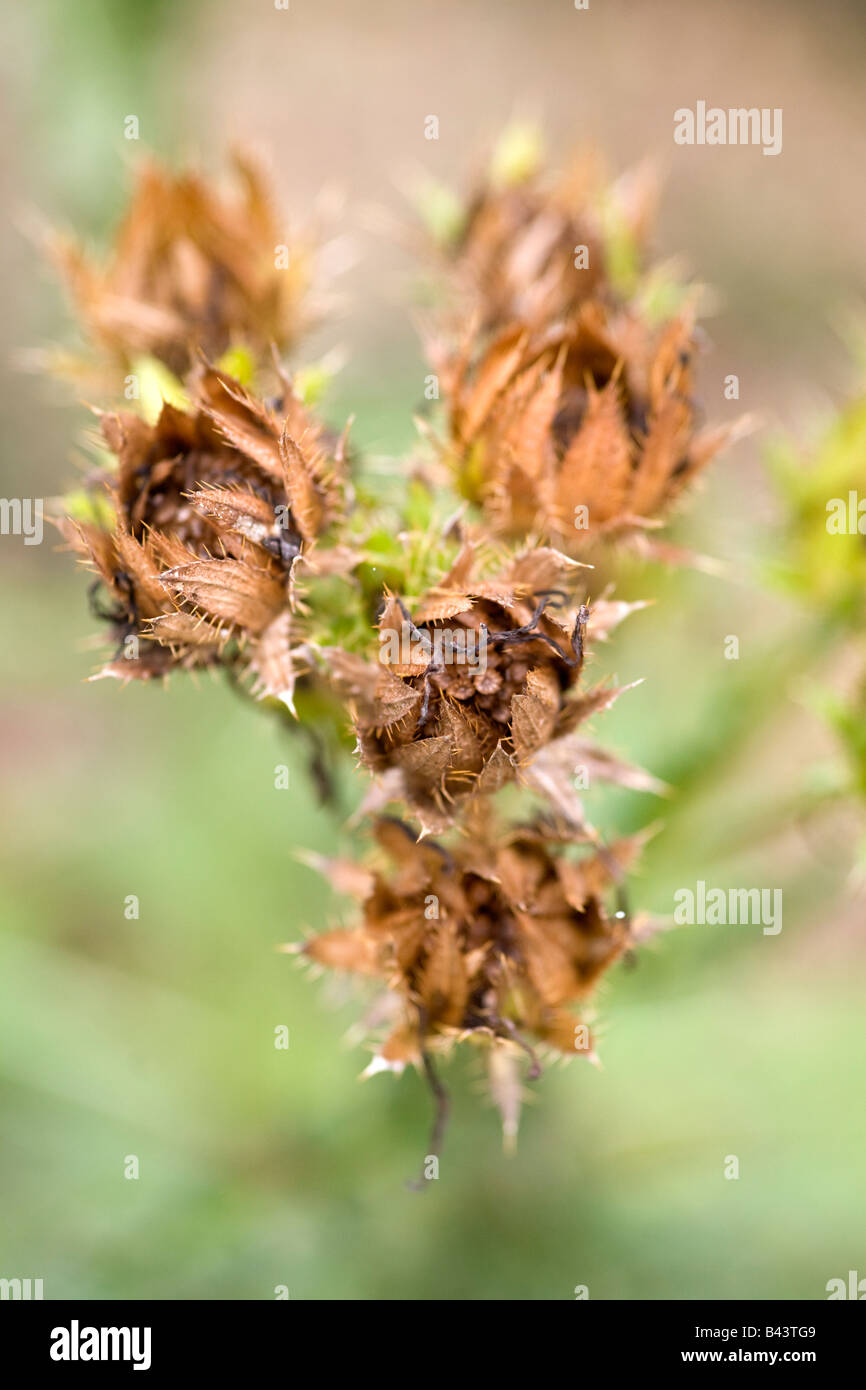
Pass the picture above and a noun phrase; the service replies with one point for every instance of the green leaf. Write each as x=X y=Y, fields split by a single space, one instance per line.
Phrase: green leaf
x=93 y=507
x=517 y=154
x=239 y=362
x=155 y=385
x=440 y=210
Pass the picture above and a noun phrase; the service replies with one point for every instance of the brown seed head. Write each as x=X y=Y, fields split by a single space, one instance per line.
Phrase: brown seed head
x=192 y=269
x=492 y=938
x=213 y=507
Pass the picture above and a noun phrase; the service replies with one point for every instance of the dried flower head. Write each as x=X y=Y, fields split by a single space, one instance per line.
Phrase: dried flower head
x=568 y=367
x=532 y=244
x=583 y=434
x=476 y=680
x=492 y=939
x=212 y=508
x=514 y=256
x=191 y=270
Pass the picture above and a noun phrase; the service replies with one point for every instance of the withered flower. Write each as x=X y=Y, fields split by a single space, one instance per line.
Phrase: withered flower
x=492 y=939
x=480 y=676
x=533 y=244
x=582 y=434
x=191 y=270
x=213 y=507
x=515 y=255
x=567 y=375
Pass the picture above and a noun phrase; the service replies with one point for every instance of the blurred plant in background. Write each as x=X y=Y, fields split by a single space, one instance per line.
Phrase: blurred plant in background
x=822 y=562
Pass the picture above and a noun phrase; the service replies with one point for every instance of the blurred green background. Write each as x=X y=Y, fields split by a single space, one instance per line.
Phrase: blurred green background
x=154 y=1037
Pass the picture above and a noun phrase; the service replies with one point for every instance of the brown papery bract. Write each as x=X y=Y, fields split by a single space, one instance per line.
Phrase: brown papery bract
x=213 y=505
x=586 y=434
x=473 y=683
x=491 y=939
x=571 y=412
x=192 y=269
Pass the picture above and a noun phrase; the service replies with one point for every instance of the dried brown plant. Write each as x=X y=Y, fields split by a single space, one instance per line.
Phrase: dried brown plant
x=227 y=531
